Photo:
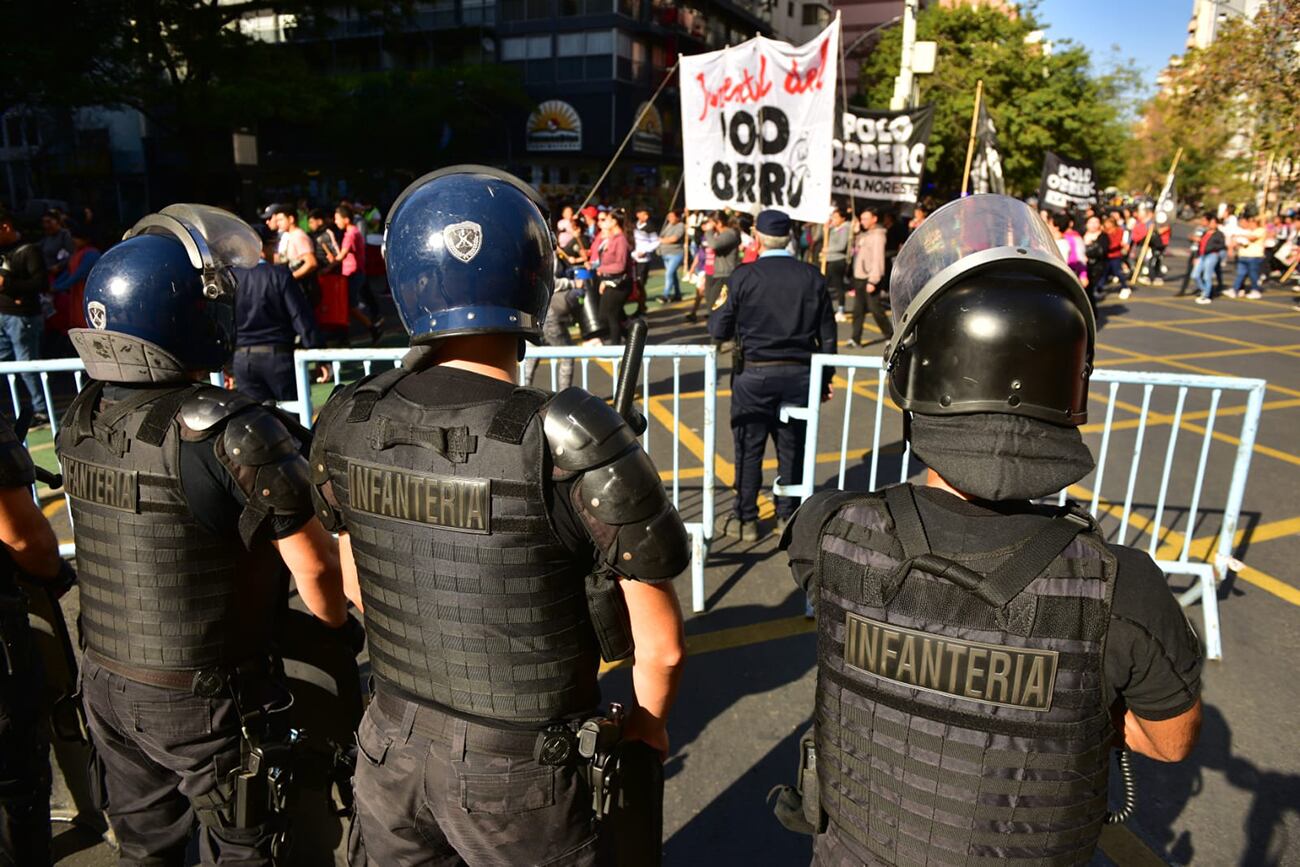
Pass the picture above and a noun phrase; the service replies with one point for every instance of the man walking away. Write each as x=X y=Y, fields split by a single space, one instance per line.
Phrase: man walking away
x=1249 y=244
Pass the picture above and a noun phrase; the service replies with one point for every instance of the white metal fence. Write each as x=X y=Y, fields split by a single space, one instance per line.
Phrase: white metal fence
x=1126 y=492
x=595 y=369
x=1180 y=401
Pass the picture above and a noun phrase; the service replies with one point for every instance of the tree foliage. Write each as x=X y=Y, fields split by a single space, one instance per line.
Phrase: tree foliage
x=1039 y=101
x=1227 y=105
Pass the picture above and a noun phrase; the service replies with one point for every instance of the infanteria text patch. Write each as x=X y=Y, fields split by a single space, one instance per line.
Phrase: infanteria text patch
x=449 y=502
x=990 y=673
x=106 y=486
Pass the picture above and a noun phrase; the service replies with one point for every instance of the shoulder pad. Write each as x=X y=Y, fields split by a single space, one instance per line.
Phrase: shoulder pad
x=584 y=431
x=257 y=436
x=208 y=406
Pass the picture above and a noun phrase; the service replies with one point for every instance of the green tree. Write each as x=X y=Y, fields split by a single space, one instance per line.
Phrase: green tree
x=1228 y=106
x=1039 y=101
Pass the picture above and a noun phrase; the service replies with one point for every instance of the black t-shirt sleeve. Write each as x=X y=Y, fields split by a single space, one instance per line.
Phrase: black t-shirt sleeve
x=802 y=535
x=217 y=501
x=1153 y=656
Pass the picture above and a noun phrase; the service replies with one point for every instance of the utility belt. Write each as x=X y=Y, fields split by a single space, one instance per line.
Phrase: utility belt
x=268 y=348
x=779 y=362
x=561 y=744
x=625 y=777
x=204 y=682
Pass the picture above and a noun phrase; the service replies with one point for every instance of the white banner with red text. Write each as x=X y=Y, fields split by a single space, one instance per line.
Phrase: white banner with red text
x=758 y=120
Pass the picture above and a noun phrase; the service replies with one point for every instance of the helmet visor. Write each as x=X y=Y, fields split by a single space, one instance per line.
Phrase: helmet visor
x=960 y=229
x=231 y=241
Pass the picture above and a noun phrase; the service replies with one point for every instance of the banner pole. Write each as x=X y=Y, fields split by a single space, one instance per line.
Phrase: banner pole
x=627 y=138
x=844 y=108
x=677 y=192
x=970 y=145
x=1146 y=241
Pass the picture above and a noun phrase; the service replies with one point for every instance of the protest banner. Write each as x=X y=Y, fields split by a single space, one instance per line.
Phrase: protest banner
x=1067 y=185
x=757 y=124
x=879 y=156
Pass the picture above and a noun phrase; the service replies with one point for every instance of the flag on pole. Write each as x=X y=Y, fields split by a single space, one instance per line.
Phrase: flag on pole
x=986 y=170
x=1167 y=202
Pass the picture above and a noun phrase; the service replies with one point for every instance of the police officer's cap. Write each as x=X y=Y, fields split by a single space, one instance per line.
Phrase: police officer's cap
x=773 y=223
x=469 y=250
x=993 y=350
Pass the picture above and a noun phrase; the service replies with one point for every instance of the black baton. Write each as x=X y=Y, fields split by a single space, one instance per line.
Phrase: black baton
x=625 y=391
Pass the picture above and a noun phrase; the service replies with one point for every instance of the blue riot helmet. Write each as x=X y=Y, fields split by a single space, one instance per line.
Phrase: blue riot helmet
x=161 y=303
x=469 y=251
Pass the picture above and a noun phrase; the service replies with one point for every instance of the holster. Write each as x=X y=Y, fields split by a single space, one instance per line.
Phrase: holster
x=609 y=617
x=15 y=634
x=799 y=808
x=737 y=358
x=635 y=823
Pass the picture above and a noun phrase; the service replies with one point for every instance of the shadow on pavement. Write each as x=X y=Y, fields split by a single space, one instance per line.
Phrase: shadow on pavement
x=738 y=827
x=1164 y=791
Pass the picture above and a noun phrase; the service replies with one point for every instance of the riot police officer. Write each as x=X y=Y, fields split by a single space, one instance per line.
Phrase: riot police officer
x=27 y=545
x=979 y=655
x=779 y=313
x=502 y=540
x=188 y=501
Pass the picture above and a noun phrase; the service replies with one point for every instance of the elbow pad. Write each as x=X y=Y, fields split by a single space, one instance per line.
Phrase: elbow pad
x=259 y=451
x=618 y=493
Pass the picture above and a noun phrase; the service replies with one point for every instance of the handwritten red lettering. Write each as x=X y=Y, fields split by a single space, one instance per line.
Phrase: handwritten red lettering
x=750 y=88
x=797 y=84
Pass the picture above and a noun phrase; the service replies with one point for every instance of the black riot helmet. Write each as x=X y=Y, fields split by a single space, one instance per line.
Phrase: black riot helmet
x=469 y=251
x=160 y=305
x=993 y=349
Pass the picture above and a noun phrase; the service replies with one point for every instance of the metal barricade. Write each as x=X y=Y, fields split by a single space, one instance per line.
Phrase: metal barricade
x=13 y=371
x=1164 y=399
x=662 y=406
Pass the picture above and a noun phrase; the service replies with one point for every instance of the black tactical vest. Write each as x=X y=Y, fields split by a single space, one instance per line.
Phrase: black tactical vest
x=158 y=589
x=961 y=724
x=472 y=603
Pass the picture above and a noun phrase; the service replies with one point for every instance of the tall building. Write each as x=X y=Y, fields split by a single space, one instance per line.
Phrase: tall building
x=1209 y=16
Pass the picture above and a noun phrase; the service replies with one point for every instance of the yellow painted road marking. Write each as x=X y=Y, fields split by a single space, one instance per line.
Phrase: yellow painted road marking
x=53 y=507
x=736 y=636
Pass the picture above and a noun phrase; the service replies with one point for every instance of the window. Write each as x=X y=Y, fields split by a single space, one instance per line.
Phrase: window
x=814 y=15
x=514 y=48
x=539 y=47
x=570 y=44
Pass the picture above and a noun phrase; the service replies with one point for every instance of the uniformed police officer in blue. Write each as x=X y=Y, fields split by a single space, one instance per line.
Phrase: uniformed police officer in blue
x=779 y=313
x=187 y=503
x=271 y=311
x=979 y=655
x=501 y=540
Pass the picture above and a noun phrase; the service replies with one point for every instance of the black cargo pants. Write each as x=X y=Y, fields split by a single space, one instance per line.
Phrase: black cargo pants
x=434 y=790
x=24 y=741
x=160 y=752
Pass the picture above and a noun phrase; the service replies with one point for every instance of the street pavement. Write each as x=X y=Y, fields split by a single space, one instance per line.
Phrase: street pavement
x=748 y=689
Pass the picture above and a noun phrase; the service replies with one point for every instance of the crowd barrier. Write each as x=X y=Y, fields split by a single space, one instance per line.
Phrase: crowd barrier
x=595 y=369
x=1164 y=399
x=1111 y=492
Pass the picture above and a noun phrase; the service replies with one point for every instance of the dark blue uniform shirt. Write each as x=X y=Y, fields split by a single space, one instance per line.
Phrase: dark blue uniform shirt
x=778 y=308
x=270 y=308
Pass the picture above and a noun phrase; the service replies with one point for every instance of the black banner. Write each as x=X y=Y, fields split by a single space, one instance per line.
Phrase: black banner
x=1067 y=185
x=986 y=167
x=879 y=156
